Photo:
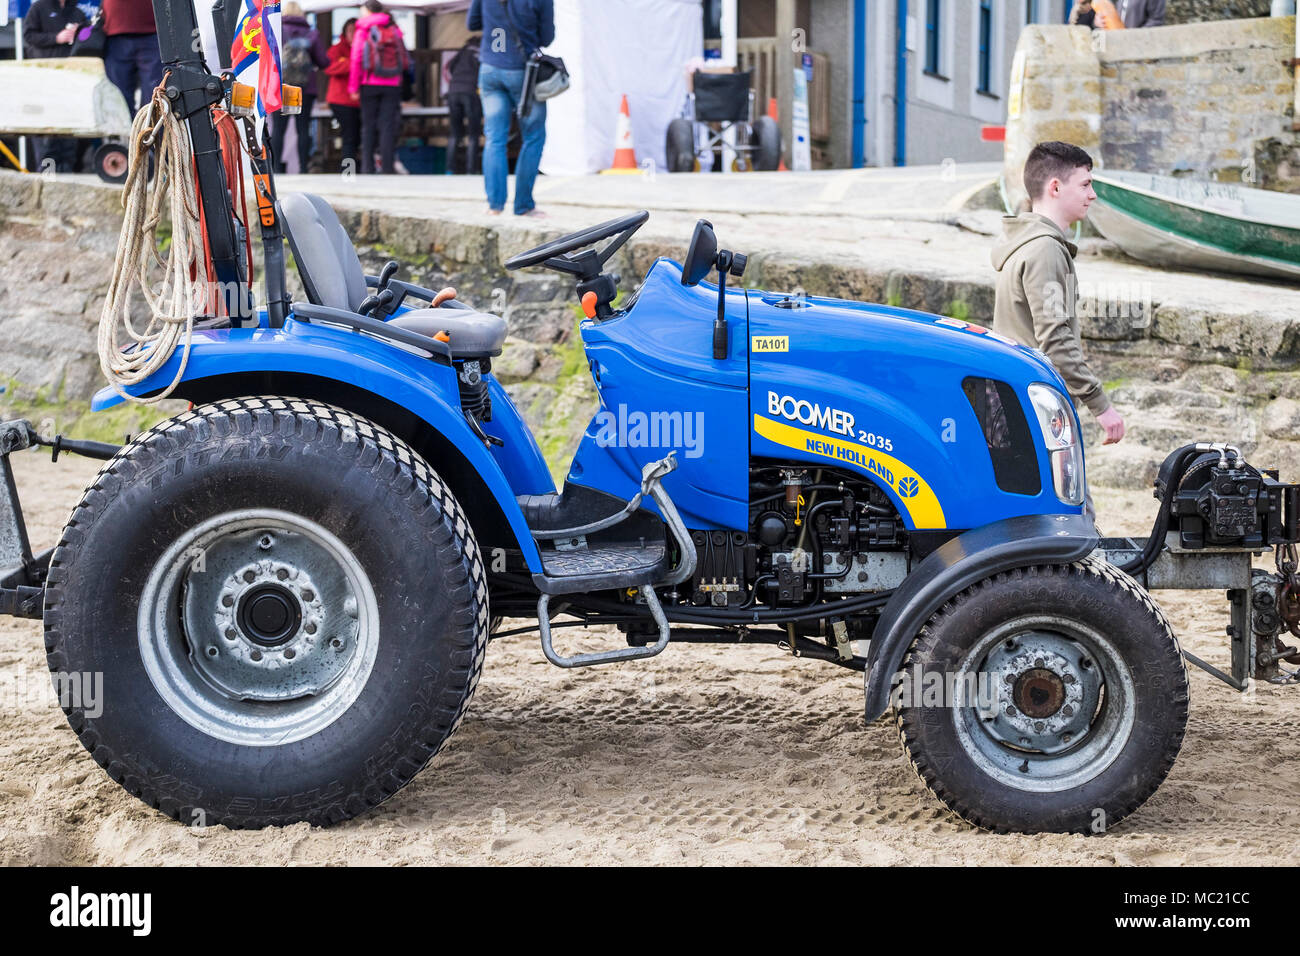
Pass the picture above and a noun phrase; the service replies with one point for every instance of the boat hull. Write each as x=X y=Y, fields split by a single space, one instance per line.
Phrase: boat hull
x=1175 y=230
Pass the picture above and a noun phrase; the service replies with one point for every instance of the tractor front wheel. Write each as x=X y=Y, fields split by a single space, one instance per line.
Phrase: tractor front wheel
x=286 y=607
x=1047 y=698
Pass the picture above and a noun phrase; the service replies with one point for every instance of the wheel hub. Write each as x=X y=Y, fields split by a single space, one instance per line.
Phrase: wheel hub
x=1047 y=688
x=269 y=615
x=1063 y=702
x=258 y=627
x=1038 y=693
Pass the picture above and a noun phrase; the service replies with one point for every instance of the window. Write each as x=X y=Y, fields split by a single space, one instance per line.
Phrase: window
x=986 y=47
x=1006 y=432
x=932 y=63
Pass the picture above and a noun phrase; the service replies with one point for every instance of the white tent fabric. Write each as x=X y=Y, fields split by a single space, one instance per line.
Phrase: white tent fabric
x=419 y=6
x=612 y=47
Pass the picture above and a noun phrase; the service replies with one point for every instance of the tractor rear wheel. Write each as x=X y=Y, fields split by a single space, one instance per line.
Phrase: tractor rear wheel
x=287 y=607
x=1044 y=699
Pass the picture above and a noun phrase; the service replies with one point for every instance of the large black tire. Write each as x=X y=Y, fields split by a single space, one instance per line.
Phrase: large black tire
x=766 y=140
x=1022 y=619
x=419 y=614
x=681 y=146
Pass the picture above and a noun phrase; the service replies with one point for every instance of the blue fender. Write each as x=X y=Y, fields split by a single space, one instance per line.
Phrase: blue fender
x=426 y=388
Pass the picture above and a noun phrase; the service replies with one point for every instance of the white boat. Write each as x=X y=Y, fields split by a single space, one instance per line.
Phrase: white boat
x=1199 y=225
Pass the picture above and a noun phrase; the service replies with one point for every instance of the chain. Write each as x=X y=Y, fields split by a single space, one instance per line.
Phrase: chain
x=1288 y=606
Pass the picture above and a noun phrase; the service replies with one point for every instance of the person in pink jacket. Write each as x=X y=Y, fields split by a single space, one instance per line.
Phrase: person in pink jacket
x=379 y=63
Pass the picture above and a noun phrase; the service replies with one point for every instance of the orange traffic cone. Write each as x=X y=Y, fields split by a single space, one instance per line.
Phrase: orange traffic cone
x=624 y=154
x=774 y=112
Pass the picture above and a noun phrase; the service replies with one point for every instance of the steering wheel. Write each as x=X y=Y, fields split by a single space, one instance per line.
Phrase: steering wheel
x=557 y=254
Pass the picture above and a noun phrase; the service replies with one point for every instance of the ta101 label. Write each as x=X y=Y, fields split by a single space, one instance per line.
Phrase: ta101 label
x=769 y=343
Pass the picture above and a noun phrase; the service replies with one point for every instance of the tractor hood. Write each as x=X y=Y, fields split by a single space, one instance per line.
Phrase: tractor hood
x=936 y=410
x=933 y=338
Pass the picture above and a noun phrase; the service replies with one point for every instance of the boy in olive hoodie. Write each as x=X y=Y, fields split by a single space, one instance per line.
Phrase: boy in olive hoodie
x=1035 y=297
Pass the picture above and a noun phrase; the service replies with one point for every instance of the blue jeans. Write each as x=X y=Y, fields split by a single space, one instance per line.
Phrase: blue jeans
x=500 y=91
x=132 y=62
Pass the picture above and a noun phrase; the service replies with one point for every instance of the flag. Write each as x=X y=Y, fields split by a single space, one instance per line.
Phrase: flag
x=268 y=59
x=254 y=61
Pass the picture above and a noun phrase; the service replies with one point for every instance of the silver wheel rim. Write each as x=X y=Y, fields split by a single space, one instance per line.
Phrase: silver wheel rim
x=258 y=627
x=1043 y=704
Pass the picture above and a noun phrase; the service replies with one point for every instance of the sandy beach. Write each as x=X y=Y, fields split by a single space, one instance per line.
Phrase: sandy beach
x=703 y=755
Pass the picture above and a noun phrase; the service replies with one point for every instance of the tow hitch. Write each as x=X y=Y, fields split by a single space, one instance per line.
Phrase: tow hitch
x=22 y=574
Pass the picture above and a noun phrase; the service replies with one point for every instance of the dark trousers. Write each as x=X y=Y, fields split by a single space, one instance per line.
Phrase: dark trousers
x=132 y=62
x=349 y=119
x=64 y=154
x=381 y=115
x=465 y=120
x=302 y=125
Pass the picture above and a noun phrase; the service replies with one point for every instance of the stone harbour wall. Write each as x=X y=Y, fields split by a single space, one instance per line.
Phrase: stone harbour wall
x=1206 y=100
x=1227 y=372
x=1196 y=11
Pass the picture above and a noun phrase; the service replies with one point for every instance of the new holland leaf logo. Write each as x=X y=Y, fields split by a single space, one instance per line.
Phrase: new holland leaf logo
x=907 y=486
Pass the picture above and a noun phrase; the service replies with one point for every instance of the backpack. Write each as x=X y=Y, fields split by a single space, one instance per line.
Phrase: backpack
x=385 y=55
x=296 y=65
x=464 y=68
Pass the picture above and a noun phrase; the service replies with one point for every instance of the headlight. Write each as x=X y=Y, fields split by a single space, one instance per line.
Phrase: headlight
x=1056 y=422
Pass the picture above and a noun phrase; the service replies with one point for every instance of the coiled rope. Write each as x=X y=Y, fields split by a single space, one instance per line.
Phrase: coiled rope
x=128 y=355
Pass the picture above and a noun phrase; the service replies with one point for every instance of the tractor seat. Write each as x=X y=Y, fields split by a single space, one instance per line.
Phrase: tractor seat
x=471 y=333
x=332 y=276
x=327 y=261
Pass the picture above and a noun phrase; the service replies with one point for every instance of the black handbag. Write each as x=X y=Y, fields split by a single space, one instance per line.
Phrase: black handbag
x=91 y=38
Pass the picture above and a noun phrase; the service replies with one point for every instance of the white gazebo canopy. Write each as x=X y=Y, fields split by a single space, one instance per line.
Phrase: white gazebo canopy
x=416 y=6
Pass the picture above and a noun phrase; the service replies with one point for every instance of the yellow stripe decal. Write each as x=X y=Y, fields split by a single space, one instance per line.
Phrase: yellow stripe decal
x=917 y=497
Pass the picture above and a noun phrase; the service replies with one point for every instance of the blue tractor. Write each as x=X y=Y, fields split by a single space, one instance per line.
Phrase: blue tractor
x=289 y=589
